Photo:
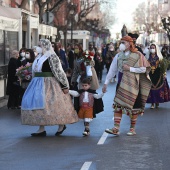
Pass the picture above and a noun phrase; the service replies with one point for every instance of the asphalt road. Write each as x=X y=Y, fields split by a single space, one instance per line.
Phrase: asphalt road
x=148 y=150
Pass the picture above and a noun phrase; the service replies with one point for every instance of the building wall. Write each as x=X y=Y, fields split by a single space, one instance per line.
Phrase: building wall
x=60 y=15
x=5 y=3
x=164 y=7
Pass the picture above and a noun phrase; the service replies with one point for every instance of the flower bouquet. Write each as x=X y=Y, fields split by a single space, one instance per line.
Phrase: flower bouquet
x=88 y=57
x=24 y=72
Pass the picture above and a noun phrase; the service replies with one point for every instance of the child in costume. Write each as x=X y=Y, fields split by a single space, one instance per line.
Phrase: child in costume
x=87 y=101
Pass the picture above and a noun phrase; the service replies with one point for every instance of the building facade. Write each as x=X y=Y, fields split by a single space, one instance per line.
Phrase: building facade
x=18 y=28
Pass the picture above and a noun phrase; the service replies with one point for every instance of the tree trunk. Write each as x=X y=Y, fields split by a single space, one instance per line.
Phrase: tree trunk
x=65 y=39
x=23 y=4
x=40 y=14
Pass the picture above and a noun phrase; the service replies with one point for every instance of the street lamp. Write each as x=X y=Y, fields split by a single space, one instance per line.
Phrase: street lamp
x=71 y=13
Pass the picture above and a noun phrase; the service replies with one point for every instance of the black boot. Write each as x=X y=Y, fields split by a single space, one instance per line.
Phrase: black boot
x=87 y=129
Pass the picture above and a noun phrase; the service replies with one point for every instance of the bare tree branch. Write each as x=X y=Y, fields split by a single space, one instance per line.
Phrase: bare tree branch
x=144 y=20
x=56 y=5
x=85 y=10
x=23 y=4
x=13 y=1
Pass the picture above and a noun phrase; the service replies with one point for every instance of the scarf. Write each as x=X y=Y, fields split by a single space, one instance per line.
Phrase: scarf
x=122 y=59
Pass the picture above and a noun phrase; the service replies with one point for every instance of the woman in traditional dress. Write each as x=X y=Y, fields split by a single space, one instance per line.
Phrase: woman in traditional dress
x=80 y=72
x=159 y=92
x=46 y=100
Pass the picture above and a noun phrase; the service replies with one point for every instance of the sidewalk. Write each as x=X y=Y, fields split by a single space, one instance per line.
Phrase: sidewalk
x=3 y=102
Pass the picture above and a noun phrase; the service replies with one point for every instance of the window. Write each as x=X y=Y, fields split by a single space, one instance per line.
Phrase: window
x=11 y=43
x=2 y=48
x=8 y=42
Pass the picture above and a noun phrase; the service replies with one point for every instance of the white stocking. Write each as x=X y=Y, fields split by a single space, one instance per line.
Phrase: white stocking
x=60 y=128
x=41 y=129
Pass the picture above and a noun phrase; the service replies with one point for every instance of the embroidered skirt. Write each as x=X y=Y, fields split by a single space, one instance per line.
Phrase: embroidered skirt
x=160 y=94
x=55 y=107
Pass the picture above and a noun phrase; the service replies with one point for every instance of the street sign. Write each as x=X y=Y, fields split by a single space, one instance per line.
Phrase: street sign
x=50 y=17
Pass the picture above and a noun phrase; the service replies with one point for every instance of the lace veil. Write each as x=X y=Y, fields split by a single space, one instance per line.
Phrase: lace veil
x=159 y=54
x=54 y=62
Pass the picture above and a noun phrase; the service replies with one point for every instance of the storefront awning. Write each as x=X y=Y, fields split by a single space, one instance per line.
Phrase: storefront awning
x=47 y=30
x=13 y=13
x=9 y=18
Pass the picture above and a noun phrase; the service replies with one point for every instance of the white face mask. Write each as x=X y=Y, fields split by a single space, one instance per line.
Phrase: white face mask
x=27 y=56
x=39 y=50
x=111 y=49
x=122 y=47
x=22 y=54
x=152 y=51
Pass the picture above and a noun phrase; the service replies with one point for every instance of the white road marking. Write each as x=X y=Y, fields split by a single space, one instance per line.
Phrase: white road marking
x=102 y=139
x=86 y=166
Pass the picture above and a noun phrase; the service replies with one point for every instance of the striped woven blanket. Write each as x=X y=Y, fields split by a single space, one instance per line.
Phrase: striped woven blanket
x=133 y=83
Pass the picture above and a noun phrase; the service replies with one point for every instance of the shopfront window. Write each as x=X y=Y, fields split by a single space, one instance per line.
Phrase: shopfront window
x=8 y=43
x=2 y=53
x=11 y=43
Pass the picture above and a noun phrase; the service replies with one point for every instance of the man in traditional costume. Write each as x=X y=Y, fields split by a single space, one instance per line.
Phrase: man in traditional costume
x=133 y=84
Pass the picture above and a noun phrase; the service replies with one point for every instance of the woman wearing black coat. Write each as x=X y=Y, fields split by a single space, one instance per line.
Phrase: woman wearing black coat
x=99 y=65
x=13 y=85
x=29 y=58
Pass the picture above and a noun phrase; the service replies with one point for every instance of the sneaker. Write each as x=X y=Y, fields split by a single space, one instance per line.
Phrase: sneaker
x=152 y=106
x=86 y=132
x=113 y=131
x=131 y=132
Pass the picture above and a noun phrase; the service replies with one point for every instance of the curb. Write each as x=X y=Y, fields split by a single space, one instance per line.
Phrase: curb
x=3 y=102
